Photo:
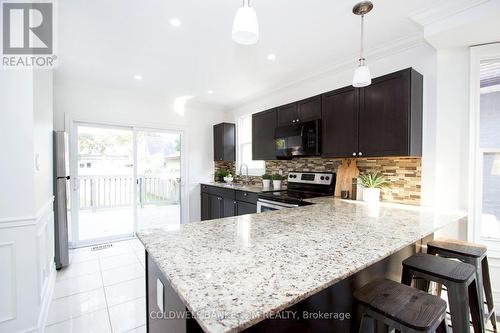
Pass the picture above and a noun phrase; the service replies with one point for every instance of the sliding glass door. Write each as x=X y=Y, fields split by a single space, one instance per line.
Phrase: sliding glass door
x=124 y=179
x=158 y=179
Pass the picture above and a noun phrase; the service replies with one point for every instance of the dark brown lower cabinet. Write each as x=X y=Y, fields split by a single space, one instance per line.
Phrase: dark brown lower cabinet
x=228 y=207
x=243 y=208
x=205 y=206
x=215 y=207
x=217 y=203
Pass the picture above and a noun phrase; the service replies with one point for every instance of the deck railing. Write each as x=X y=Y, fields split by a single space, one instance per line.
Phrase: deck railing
x=113 y=191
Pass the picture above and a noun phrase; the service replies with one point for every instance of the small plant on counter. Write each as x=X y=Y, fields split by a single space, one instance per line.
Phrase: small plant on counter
x=276 y=181
x=276 y=177
x=266 y=181
x=219 y=175
x=373 y=180
x=372 y=183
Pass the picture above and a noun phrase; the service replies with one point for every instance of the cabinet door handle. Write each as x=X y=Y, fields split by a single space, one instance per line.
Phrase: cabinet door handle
x=293 y=121
x=298 y=120
x=360 y=154
x=353 y=154
x=245 y=194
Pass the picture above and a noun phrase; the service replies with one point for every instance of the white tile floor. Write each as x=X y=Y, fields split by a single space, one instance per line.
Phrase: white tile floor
x=101 y=291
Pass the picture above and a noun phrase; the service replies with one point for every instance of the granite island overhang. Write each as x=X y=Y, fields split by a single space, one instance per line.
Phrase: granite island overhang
x=239 y=273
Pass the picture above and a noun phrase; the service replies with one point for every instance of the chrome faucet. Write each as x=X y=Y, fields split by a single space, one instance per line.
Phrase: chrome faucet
x=246 y=181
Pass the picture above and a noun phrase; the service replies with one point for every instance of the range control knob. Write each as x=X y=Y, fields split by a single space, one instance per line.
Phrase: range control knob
x=327 y=178
x=322 y=178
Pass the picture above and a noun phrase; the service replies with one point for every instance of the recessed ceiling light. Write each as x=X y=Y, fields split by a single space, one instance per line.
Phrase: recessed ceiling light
x=138 y=77
x=175 y=22
x=271 y=57
x=210 y=92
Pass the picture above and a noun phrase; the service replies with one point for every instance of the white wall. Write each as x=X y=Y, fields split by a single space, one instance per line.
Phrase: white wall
x=421 y=57
x=26 y=218
x=88 y=102
x=43 y=124
x=16 y=135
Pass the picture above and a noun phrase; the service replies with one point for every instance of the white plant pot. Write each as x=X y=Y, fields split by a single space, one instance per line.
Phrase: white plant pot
x=371 y=195
x=266 y=184
x=277 y=185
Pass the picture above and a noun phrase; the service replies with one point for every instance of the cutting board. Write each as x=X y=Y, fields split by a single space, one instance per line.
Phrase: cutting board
x=345 y=173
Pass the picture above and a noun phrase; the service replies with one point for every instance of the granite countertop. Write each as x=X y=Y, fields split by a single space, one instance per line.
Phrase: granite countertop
x=239 y=187
x=233 y=272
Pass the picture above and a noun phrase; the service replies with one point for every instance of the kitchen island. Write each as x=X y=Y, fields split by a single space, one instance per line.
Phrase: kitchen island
x=287 y=270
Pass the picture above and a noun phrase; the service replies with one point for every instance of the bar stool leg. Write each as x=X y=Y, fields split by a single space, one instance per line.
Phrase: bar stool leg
x=480 y=286
x=443 y=327
x=476 y=308
x=488 y=291
x=458 y=298
x=406 y=277
x=362 y=321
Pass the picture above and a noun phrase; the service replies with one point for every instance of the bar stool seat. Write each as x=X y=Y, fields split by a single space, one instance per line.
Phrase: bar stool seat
x=440 y=267
x=458 y=277
x=401 y=307
x=474 y=254
x=458 y=247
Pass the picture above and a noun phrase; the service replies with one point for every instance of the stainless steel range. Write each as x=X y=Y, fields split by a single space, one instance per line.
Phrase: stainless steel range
x=301 y=186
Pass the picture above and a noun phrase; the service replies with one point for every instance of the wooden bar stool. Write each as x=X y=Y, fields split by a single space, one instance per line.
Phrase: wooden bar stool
x=475 y=255
x=401 y=307
x=460 y=280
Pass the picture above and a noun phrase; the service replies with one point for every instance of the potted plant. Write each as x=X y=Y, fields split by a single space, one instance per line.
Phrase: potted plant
x=372 y=183
x=276 y=181
x=266 y=181
x=219 y=175
x=229 y=178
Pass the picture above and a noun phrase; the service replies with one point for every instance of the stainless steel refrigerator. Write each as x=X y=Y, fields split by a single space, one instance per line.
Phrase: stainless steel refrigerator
x=62 y=203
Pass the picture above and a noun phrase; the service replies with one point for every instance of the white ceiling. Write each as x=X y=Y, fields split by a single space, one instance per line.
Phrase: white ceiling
x=109 y=41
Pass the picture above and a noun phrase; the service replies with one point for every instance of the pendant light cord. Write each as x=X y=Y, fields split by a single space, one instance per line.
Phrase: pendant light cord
x=362 y=58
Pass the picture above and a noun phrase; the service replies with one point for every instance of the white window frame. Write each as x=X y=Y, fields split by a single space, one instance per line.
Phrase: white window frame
x=478 y=54
x=239 y=162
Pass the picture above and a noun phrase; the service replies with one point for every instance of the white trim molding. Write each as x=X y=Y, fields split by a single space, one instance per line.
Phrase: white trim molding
x=443 y=10
x=349 y=63
x=30 y=220
x=8 y=281
x=477 y=54
x=28 y=270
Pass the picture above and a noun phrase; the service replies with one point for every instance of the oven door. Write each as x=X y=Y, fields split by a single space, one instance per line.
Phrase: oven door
x=268 y=205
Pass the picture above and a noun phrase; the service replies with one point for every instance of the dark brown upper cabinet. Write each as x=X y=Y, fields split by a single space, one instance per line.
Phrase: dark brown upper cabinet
x=383 y=119
x=340 y=123
x=309 y=109
x=224 y=142
x=263 y=126
x=288 y=114
x=304 y=110
x=390 y=115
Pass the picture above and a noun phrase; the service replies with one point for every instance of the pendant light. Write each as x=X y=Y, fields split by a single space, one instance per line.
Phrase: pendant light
x=362 y=76
x=245 y=26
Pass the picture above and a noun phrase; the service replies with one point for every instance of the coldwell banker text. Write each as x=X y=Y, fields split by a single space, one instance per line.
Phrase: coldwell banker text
x=27 y=34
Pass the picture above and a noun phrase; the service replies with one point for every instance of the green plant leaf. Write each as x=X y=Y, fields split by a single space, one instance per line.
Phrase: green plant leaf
x=374 y=180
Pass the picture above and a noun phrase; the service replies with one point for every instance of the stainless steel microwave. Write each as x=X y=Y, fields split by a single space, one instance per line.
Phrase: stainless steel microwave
x=300 y=139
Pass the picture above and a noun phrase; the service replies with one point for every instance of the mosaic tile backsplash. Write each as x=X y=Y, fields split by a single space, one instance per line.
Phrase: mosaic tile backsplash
x=404 y=173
